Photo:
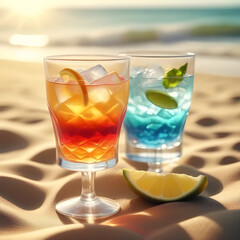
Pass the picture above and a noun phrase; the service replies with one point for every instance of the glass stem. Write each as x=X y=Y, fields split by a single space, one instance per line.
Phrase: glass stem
x=155 y=166
x=88 y=191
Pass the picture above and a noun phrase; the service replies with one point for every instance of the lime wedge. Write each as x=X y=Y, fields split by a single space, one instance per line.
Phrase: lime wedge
x=161 y=99
x=160 y=188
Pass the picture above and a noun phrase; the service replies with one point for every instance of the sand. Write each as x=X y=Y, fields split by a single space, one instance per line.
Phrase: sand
x=31 y=183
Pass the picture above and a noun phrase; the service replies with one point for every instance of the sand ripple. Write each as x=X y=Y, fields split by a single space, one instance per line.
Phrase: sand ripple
x=31 y=183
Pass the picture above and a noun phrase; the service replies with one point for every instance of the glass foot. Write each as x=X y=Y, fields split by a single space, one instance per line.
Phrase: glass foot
x=97 y=208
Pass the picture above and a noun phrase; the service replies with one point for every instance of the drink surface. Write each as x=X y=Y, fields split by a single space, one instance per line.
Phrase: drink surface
x=152 y=127
x=87 y=133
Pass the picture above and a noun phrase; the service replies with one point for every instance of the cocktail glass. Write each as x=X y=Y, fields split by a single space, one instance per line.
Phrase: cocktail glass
x=161 y=85
x=87 y=98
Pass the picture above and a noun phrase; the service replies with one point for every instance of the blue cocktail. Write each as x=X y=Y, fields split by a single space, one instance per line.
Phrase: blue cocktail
x=160 y=97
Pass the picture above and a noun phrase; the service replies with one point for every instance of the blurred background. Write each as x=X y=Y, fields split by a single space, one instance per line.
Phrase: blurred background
x=32 y=29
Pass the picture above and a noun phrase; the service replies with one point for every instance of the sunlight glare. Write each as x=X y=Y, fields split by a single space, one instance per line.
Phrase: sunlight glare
x=27 y=7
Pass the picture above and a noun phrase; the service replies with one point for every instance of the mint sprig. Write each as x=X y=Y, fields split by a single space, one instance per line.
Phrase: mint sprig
x=173 y=77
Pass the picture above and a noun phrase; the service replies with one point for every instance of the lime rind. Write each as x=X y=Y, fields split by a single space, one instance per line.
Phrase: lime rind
x=198 y=188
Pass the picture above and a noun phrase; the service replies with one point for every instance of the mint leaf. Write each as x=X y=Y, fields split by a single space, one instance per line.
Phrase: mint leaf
x=173 y=77
x=183 y=69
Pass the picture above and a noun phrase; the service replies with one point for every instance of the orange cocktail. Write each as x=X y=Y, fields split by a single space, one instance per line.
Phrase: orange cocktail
x=87 y=97
x=87 y=131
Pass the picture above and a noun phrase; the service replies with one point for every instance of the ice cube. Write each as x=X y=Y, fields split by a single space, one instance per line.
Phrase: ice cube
x=92 y=113
x=154 y=126
x=147 y=72
x=180 y=94
x=156 y=72
x=62 y=92
x=110 y=78
x=136 y=71
x=93 y=73
x=142 y=109
x=138 y=99
x=98 y=94
x=165 y=114
x=147 y=76
x=153 y=110
x=79 y=70
x=74 y=104
x=63 y=111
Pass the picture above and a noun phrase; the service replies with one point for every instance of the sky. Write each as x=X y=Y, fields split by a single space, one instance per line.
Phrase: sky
x=121 y=3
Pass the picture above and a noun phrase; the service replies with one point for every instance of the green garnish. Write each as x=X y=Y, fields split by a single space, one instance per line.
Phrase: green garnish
x=161 y=99
x=173 y=77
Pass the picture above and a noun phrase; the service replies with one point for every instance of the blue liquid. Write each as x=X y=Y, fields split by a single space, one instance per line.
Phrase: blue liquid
x=151 y=127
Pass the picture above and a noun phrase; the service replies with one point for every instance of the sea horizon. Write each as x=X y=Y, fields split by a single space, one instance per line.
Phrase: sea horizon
x=112 y=26
x=206 y=31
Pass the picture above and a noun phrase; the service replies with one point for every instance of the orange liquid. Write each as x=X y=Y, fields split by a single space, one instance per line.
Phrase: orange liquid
x=87 y=134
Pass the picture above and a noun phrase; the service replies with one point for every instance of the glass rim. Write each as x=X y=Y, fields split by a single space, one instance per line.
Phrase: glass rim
x=85 y=57
x=157 y=54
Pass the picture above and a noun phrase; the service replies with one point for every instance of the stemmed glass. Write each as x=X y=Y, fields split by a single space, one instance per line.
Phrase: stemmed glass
x=87 y=98
x=161 y=86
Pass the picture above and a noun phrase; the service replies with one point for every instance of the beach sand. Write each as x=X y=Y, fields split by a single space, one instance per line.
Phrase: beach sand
x=31 y=183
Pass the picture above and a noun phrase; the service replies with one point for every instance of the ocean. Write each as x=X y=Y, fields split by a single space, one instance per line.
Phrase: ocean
x=124 y=26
